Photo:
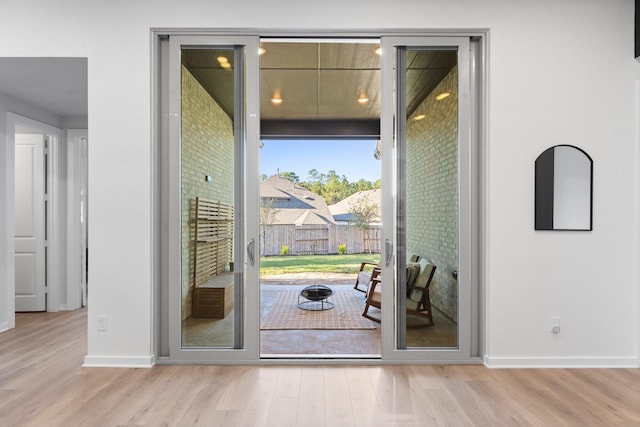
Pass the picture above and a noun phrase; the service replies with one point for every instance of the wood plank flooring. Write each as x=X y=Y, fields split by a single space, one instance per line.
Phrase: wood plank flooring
x=42 y=383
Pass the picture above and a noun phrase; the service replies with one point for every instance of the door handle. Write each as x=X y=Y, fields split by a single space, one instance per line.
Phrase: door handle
x=250 y=248
x=388 y=247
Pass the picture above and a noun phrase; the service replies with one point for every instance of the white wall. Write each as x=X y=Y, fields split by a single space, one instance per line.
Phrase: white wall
x=560 y=73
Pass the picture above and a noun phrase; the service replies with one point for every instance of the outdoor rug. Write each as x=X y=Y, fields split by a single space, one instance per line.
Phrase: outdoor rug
x=346 y=313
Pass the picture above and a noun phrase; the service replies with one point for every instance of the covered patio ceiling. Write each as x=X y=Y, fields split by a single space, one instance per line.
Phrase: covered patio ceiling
x=327 y=89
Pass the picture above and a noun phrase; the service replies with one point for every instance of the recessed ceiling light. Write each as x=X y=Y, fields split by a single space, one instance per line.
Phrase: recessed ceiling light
x=420 y=117
x=442 y=96
x=363 y=99
x=224 y=62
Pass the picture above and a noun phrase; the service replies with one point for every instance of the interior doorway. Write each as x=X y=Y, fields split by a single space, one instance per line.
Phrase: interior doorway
x=51 y=215
x=44 y=98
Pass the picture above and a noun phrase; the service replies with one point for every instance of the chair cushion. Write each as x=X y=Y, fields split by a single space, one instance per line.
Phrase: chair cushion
x=425 y=271
x=364 y=277
x=375 y=297
x=413 y=270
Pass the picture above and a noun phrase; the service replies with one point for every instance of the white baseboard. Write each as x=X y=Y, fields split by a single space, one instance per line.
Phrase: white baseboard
x=119 y=361
x=4 y=326
x=560 y=362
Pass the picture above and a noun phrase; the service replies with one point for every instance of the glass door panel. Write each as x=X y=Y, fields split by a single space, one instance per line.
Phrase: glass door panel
x=211 y=146
x=208 y=196
x=427 y=162
x=428 y=192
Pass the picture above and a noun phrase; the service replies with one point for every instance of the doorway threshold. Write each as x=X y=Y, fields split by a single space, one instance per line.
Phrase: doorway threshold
x=336 y=357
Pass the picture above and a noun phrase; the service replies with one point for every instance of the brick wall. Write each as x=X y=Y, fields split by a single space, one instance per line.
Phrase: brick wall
x=207 y=149
x=432 y=191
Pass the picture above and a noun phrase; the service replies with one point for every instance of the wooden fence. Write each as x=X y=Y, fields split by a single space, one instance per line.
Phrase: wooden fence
x=318 y=239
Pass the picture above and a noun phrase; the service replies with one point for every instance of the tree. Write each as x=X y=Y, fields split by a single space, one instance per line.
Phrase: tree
x=363 y=213
x=361 y=185
x=336 y=188
x=291 y=176
x=267 y=218
x=331 y=186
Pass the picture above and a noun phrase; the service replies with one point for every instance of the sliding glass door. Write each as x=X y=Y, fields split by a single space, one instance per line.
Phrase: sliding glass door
x=427 y=169
x=213 y=146
x=428 y=149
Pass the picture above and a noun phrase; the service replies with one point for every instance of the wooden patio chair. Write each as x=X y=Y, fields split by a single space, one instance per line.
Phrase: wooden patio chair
x=418 y=302
x=374 y=297
x=368 y=270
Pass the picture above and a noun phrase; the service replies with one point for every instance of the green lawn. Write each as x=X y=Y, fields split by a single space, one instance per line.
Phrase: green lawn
x=315 y=263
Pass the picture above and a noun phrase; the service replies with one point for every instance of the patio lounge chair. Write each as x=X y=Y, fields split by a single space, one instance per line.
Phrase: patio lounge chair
x=368 y=271
x=418 y=302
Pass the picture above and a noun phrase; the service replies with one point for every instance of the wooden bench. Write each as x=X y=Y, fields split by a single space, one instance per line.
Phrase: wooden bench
x=214 y=298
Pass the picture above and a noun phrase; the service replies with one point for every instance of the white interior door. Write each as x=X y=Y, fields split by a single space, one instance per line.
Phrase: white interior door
x=30 y=290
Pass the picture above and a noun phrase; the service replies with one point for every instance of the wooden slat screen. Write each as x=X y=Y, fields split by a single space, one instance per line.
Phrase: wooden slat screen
x=213 y=248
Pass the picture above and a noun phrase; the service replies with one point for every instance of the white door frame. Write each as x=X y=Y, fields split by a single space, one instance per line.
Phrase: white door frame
x=76 y=283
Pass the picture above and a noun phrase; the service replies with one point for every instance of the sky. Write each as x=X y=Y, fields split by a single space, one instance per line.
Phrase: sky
x=352 y=158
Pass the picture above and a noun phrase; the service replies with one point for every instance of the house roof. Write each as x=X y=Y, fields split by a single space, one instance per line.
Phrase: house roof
x=310 y=218
x=271 y=192
x=341 y=211
x=295 y=204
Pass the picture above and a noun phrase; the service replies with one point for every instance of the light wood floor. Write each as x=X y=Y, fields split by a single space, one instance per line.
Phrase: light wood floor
x=42 y=383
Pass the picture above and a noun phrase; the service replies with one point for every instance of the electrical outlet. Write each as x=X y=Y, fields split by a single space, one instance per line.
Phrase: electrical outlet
x=555 y=324
x=102 y=322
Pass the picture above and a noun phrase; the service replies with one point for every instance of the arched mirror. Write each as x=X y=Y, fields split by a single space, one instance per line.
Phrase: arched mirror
x=563 y=198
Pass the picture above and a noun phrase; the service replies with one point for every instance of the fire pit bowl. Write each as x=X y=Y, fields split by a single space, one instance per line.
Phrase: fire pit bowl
x=315 y=298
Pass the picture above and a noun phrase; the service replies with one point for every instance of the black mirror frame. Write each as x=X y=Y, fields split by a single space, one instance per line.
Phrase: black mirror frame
x=543 y=204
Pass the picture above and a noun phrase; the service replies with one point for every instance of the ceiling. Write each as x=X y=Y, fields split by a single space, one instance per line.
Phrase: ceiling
x=56 y=85
x=319 y=85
